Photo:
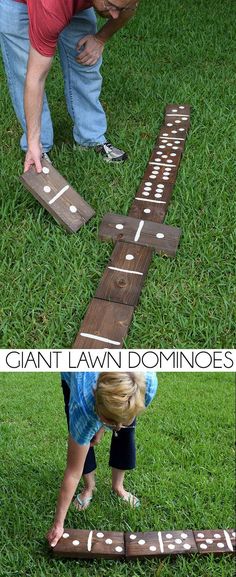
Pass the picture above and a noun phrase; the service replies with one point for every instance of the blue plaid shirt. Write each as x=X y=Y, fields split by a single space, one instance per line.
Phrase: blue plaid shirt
x=84 y=422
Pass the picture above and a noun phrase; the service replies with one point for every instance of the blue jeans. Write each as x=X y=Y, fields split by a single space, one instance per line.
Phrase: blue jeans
x=82 y=83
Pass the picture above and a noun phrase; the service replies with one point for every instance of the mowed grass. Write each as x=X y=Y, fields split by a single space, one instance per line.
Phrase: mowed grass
x=184 y=475
x=172 y=52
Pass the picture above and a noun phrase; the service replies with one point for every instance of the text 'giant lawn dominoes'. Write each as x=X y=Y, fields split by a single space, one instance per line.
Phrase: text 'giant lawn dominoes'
x=57 y=196
x=95 y=544
x=137 y=236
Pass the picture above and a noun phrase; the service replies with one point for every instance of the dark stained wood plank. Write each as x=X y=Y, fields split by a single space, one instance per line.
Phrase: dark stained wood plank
x=159 y=544
x=105 y=325
x=217 y=541
x=97 y=544
x=179 y=114
x=56 y=195
x=124 y=276
x=162 y=238
x=150 y=190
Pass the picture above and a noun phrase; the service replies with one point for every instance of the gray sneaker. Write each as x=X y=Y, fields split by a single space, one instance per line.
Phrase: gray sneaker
x=110 y=153
x=46 y=157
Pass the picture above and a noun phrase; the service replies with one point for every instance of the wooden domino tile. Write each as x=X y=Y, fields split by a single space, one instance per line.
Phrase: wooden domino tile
x=58 y=197
x=90 y=544
x=178 y=115
x=162 y=238
x=124 y=276
x=105 y=325
x=159 y=544
x=216 y=541
x=154 y=196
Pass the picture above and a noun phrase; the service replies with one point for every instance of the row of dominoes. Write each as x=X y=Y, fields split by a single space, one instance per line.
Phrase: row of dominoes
x=114 y=545
x=136 y=236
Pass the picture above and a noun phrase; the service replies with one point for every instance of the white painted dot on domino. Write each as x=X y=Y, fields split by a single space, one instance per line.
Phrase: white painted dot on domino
x=75 y=543
x=119 y=226
x=65 y=535
x=181 y=129
x=217 y=536
x=209 y=541
x=159 y=152
x=158 y=195
x=164 y=141
x=173 y=154
x=152 y=548
x=108 y=541
x=161 y=235
x=170 y=144
x=45 y=170
x=47 y=189
x=168 y=169
x=233 y=534
x=186 y=546
x=164 y=156
x=184 y=118
x=169 y=161
x=162 y=145
x=169 y=124
x=174 y=110
x=220 y=545
x=148 y=183
x=184 y=535
x=203 y=546
x=153 y=176
x=181 y=107
x=168 y=535
x=177 y=141
x=145 y=193
x=147 y=210
x=165 y=134
x=73 y=209
x=201 y=535
x=119 y=549
x=155 y=172
x=177 y=121
x=171 y=546
x=165 y=178
x=174 y=131
x=175 y=147
x=160 y=186
x=178 y=541
x=141 y=542
x=129 y=257
x=165 y=173
x=100 y=535
x=132 y=537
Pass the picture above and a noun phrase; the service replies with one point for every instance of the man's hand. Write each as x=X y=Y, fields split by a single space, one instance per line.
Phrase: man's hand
x=91 y=49
x=54 y=534
x=33 y=158
x=97 y=438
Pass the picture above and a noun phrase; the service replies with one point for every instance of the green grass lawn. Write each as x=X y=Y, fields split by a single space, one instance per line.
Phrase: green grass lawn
x=184 y=475
x=181 y=52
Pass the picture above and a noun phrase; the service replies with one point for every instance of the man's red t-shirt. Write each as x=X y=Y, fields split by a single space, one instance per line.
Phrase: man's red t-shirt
x=47 y=18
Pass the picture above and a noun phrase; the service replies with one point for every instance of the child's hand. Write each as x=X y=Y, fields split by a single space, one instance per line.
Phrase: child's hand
x=54 y=534
x=97 y=438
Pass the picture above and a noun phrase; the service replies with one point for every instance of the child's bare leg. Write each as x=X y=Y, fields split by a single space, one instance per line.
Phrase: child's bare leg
x=83 y=499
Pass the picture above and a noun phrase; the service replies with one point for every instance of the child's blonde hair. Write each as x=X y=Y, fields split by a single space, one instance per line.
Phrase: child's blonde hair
x=119 y=397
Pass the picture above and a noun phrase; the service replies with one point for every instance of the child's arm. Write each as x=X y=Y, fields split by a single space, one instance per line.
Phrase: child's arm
x=75 y=462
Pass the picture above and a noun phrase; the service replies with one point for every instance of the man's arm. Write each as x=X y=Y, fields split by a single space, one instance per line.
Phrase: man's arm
x=37 y=71
x=76 y=456
x=94 y=45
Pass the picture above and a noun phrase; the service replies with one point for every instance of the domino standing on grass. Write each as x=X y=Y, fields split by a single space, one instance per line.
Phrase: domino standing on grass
x=29 y=34
x=95 y=402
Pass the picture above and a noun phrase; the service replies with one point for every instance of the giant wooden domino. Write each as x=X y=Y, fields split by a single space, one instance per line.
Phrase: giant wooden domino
x=58 y=197
x=117 y=545
x=137 y=236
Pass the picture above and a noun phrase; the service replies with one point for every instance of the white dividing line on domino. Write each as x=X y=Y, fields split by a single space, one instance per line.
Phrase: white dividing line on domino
x=102 y=339
x=228 y=540
x=140 y=227
x=89 y=543
x=182 y=115
x=159 y=164
x=124 y=270
x=171 y=138
x=60 y=193
x=160 y=542
x=150 y=200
